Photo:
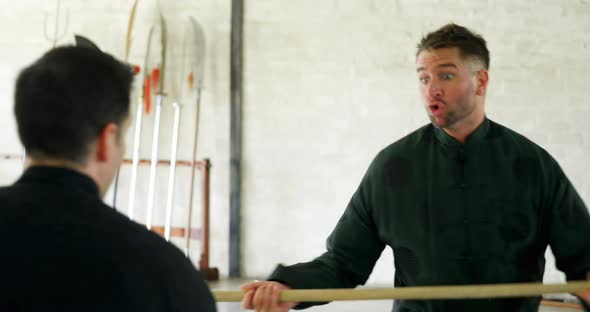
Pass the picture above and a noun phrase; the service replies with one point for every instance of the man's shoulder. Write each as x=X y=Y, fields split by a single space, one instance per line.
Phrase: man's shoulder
x=12 y=198
x=409 y=145
x=5 y=190
x=517 y=142
x=145 y=252
x=167 y=265
x=141 y=239
x=419 y=136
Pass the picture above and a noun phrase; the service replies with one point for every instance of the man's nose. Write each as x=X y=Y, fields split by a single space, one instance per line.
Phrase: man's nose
x=435 y=90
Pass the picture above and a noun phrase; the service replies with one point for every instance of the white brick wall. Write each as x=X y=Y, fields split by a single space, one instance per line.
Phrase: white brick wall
x=327 y=85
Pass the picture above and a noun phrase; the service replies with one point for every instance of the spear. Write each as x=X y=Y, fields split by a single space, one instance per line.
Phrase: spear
x=197 y=82
x=156 y=132
x=137 y=125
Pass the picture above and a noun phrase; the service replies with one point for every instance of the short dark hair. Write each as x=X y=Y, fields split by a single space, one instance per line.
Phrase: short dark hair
x=64 y=100
x=451 y=35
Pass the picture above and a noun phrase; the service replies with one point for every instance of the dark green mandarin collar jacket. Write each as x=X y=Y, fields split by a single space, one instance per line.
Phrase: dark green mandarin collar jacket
x=474 y=213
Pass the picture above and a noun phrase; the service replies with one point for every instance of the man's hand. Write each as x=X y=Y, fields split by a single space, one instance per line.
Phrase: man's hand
x=264 y=297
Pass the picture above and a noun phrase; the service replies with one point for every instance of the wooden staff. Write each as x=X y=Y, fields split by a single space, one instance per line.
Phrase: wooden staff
x=417 y=293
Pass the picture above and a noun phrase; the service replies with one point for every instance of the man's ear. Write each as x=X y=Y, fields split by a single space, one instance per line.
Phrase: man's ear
x=106 y=142
x=481 y=79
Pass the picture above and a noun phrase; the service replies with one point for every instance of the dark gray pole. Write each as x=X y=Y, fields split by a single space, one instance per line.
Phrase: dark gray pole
x=235 y=150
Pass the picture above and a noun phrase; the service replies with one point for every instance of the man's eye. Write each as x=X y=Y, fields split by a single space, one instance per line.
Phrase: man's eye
x=424 y=80
x=447 y=76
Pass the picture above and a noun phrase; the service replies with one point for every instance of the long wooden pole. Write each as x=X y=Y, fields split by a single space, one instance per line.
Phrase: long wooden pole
x=235 y=149
x=417 y=293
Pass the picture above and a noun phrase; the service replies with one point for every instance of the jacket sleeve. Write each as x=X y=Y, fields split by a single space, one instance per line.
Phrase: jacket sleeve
x=569 y=233
x=353 y=247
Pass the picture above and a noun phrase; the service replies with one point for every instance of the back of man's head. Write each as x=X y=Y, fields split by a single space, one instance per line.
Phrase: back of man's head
x=64 y=100
x=470 y=45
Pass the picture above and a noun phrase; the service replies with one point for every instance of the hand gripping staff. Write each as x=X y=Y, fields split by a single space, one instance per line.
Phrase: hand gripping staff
x=418 y=293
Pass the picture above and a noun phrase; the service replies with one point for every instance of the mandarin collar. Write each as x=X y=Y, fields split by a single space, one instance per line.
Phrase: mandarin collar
x=61 y=176
x=477 y=136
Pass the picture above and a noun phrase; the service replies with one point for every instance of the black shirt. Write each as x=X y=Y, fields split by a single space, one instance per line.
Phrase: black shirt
x=482 y=212
x=64 y=249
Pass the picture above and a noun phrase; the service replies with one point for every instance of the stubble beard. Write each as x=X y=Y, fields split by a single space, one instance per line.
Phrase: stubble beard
x=450 y=119
x=445 y=121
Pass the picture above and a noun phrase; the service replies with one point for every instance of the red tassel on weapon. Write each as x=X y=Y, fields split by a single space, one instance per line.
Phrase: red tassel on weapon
x=147 y=94
x=155 y=78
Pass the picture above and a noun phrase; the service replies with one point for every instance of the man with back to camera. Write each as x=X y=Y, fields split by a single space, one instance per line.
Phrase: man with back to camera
x=462 y=200
x=63 y=248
